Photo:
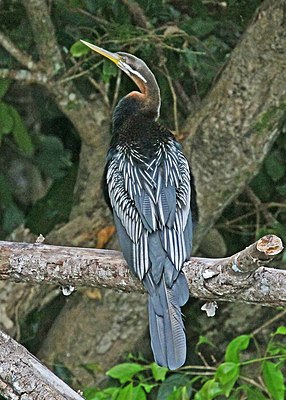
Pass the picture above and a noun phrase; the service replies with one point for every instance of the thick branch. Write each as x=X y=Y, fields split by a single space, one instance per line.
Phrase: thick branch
x=44 y=34
x=23 y=376
x=242 y=277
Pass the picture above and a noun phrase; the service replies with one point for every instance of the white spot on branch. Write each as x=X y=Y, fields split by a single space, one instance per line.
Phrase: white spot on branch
x=67 y=290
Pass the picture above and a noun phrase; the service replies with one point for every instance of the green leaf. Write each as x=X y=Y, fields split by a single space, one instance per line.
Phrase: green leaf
x=111 y=393
x=191 y=57
x=55 y=206
x=92 y=367
x=20 y=133
x=275 y=167
x=147 y=386
x=12 y=218
x=52 y=158
x=124 y=372
x=227 y=374
x=209 y=390
x=281 y=189
x=279 y=229
x=5 y=192
x=158 y=372
x=274 y=380
x=235 y=347
x=171 y=384
x=78 y=49
x=109 y=70
x=253 y=393
x=138 y=393
x=63 y=372
x=281 y=330
x=262 y=185
x=90 y=393
x=204 y=340
x=105 y=394
x=127 y=393
x=6 y=119
x=180 y=394
x=4 y=85
x=202 y=26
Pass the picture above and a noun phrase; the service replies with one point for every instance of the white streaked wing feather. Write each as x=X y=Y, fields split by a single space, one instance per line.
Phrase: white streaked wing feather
x=130 y=177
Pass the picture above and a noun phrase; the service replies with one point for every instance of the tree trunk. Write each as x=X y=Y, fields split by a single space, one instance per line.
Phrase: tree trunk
x=241 y=116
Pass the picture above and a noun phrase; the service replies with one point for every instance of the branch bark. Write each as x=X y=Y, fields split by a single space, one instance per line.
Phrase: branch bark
x=44 y=35
x=22 y=376
x=242 y=277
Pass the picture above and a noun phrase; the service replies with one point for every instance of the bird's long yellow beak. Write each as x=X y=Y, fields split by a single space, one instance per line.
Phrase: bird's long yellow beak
x=111 y=56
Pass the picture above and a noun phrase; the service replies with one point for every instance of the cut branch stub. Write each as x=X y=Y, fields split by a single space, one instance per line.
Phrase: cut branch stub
x=244 y=277
x=270 y=245
x=256 y=255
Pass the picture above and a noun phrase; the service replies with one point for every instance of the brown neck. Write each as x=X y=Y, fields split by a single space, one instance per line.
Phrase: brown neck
x=149 y=93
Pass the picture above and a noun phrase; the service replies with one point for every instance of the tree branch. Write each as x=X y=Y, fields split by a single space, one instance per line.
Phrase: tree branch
x=18 y=54
x=44 y=35
x=24 y=75
x=23 y=376
x=242 y=277
x=137 y=13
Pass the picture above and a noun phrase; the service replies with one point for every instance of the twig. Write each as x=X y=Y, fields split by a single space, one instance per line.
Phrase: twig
x=175 y=108
x=18 y=54
x=116 y=91
x=258 y=205
x=24 y=76
x=89 y=77
x=269 y=322
x=252 y=382
x=185 y=99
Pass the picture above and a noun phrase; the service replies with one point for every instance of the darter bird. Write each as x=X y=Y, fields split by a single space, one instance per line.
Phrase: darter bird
x=150 y=189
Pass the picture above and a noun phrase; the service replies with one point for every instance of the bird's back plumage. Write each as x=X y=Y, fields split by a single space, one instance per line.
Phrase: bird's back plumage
x=149 y=189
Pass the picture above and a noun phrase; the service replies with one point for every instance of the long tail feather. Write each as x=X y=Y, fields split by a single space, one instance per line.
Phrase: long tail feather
x=168 y=339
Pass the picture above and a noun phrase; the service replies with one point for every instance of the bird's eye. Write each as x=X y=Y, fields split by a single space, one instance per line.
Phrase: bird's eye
x=123 y=58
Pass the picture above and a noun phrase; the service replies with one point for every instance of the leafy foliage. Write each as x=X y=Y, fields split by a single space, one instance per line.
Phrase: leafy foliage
x=54 y=207
x=48 y=157
x=223 y=380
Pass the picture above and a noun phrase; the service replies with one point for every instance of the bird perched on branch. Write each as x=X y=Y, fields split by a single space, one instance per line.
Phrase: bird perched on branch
x=150 y=189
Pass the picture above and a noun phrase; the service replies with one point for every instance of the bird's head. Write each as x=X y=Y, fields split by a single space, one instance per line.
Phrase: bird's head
x=139 y=72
